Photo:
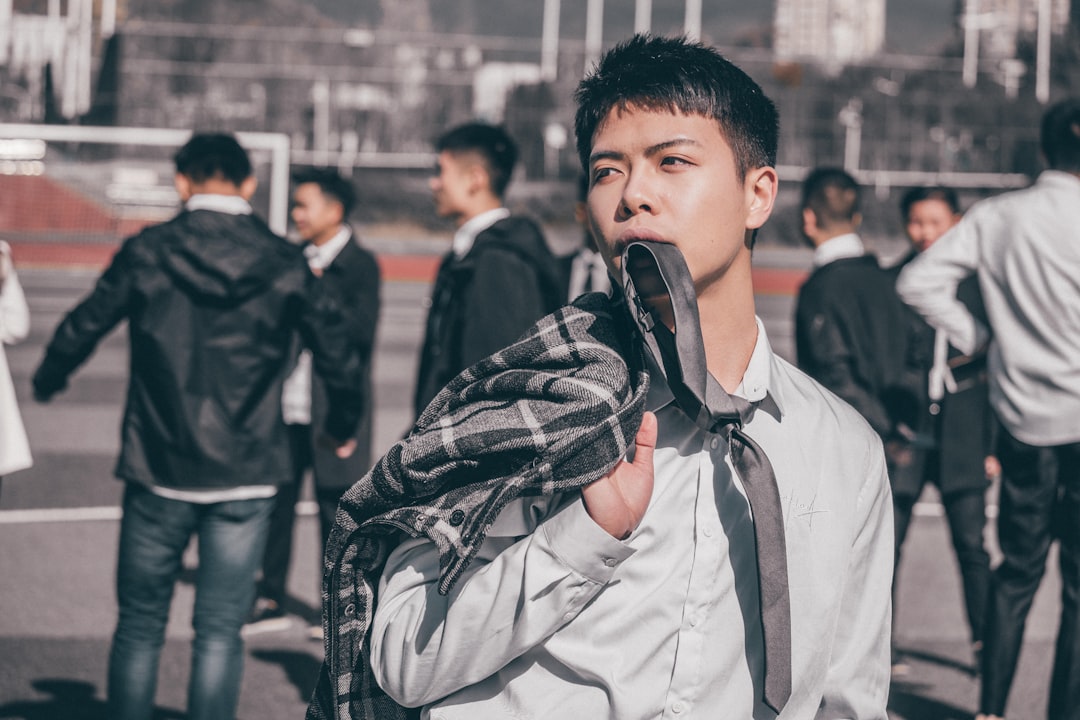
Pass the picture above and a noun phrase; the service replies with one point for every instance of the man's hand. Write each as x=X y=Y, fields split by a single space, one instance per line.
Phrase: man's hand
x=343 y=449
x=617 y=502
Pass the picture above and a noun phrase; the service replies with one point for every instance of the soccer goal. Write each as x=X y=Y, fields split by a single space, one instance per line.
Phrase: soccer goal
x=83 y=186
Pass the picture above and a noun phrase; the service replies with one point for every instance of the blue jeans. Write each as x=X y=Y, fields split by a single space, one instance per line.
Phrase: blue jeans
x=153 y=535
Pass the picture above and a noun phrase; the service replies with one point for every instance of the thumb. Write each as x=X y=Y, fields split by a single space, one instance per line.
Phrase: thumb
x=645 y=442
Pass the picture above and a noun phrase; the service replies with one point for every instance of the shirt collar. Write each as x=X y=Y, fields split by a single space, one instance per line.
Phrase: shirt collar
x=466 y=234
x=1057 y=177
x=755 y=385
x=321 y=256
x=838 y=248
x=228 y=204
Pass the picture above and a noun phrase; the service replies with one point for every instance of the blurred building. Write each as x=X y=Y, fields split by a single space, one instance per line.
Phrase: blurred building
x=831 y=33
x=48 y=53
x=1003 y=25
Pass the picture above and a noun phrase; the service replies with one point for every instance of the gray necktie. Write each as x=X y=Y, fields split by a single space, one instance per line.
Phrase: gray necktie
x=682 y=355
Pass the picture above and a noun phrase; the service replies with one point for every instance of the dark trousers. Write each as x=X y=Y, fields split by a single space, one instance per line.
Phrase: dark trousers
x=275 y=565
x=1040 y=499
x=966 y=513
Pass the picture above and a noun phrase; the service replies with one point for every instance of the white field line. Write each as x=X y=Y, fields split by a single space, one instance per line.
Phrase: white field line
x=96 y=514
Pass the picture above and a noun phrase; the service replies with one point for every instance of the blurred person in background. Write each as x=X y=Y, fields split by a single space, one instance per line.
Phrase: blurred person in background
x=954 y=425
x=322 y=204
x=14 y=327
x=499 y=276
x=584 y=270
x=213 y=300
x=1024 y=248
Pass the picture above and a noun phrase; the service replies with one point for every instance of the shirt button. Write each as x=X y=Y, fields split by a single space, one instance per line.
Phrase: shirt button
x=677 y=707
x=707 y=531
x=715 y=443
x=610 y=562
x=693 y=621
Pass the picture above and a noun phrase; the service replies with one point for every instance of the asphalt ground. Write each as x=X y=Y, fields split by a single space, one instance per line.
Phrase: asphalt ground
x=59 y=529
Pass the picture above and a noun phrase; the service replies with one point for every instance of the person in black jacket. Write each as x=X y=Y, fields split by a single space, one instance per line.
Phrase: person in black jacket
x=852 y=332
x=213 y=300
x=499 y=276
x=850 y=326
x=322 y=203
x=954 y=425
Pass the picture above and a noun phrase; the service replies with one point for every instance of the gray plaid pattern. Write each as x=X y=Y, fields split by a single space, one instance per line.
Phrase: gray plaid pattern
x=551 y=413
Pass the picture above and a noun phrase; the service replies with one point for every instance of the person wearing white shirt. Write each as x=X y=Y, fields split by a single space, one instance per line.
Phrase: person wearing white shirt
x=1023 y=247
x=639 y=596
x=323 y=201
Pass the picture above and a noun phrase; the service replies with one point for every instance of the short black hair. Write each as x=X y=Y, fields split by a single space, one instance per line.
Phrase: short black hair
x=213 y=155
x=332 y=184
x=832 y=194
x=935 y=192
x=1060 y=136
x=675 y=74
x=492 y=143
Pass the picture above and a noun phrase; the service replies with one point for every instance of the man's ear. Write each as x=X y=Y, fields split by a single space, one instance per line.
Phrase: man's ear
x=761 y=187
x=856 y=220
x=182 y=183
x=248 y=187
x=809 y=221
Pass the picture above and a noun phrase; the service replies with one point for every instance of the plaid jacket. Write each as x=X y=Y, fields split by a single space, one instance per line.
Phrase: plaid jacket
x=551 y=413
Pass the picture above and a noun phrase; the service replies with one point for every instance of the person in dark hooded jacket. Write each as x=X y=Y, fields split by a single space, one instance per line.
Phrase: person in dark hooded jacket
x=499 y=276
x=213 y=301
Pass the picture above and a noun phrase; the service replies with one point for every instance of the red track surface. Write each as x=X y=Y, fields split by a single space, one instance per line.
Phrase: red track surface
x=414 y=268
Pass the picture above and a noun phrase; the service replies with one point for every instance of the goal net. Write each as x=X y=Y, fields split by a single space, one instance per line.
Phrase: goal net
x=71 y=193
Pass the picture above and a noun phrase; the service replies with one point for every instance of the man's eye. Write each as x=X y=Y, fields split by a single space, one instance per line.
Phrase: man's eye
x=674 y=161
x=601 y=173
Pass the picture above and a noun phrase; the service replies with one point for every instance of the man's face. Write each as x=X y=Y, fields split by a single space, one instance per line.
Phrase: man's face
x=927 y=221
x=672 y=178
x=453 y=183
x=317 y=216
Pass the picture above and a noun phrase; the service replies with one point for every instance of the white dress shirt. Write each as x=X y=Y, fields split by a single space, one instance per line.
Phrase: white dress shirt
x=557 y=619
x=587 y=273
x=466 y=234
x=1023 y=247
x=838 y=248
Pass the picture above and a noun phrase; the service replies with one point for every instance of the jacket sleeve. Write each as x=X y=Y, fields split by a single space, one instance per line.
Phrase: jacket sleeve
x=501 y=302
x=857 y=679
x=826 y=355
x=81 y=330
x=929 y=282
x=324 y=330
x=515 y=594
x=14 y=313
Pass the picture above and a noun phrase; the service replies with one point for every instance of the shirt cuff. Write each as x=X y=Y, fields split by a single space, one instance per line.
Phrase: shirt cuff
x=582 y=545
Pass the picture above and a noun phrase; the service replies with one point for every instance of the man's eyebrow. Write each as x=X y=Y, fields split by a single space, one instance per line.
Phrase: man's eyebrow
x=649 y=151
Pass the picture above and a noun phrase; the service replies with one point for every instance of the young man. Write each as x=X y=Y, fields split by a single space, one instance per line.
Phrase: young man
x=212 y=299
x=1021 y=246
x=322 y=204
x=954 y=425
x=640 y=595
x=499 y=276
x=847 y=313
